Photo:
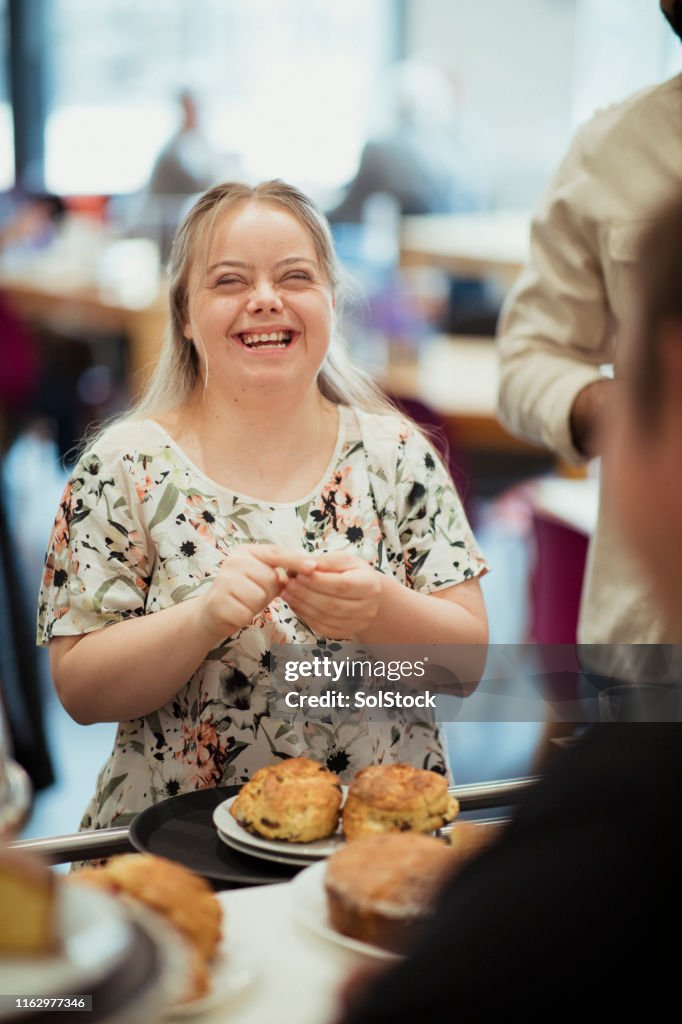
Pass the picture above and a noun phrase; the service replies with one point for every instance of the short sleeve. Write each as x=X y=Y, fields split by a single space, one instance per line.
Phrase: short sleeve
x=437 y=542
x=98 y=562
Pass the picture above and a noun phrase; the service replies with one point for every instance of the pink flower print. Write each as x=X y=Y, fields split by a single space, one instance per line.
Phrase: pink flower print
x=143 y=487
x=202 y=751
x=61 y=523
x=335 y=502
x=208 y=754
x=61 y=575
x=136 y=557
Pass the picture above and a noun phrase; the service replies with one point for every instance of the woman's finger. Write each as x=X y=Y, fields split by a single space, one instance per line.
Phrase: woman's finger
x=278 y=557
x=348 y=585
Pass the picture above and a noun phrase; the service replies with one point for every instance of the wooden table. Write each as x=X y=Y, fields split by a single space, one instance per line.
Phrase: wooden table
x=480 y=245
x=87 y=309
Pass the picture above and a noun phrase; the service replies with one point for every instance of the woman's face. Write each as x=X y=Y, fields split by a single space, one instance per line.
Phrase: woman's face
x=260 y=308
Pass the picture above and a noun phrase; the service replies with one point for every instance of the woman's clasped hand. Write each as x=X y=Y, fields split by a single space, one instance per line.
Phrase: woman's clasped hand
x=248 y=580
x=340 y=599
x=336 y=595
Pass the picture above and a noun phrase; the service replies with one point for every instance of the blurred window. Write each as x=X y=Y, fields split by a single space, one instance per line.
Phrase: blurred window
x=620 y=47
x=6 y=120
x=283 y=84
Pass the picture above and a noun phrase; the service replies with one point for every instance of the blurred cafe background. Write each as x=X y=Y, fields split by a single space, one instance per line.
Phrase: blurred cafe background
x=426 y=129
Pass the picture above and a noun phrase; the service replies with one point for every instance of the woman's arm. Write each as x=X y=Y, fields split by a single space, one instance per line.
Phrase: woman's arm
x=456 y=615
x=136 y=666
x=348 y=599
x=132 y=668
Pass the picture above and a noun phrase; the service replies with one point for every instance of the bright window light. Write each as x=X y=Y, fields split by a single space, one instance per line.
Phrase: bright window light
x=283 y=86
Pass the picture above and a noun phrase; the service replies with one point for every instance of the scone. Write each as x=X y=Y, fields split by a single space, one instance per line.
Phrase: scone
x=181 y=897
x=296 y=801
x=397 y=798
x=382 y=888
x=28 y=906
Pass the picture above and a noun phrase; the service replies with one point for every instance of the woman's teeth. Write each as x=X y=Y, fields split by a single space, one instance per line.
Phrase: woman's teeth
x=276 y=339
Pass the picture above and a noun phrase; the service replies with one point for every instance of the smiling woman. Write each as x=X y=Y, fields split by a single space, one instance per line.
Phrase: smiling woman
x=263 y=492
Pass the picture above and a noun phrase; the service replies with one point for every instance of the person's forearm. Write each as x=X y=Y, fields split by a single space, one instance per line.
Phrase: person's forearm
x=408 y=617
x=590 y=415
x=134 y=667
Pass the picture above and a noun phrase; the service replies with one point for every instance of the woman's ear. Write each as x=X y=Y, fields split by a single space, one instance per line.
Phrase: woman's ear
x=187 y=332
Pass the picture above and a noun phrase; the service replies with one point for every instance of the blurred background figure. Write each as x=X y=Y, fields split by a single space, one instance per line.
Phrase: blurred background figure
x=427 y=156
x=564 y=321
x=28 y=225
x=187 y=163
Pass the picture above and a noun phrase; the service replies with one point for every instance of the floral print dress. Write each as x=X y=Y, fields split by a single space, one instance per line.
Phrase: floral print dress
x=141 y=528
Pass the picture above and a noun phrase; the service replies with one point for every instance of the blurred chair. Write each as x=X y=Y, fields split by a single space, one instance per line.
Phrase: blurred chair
x=557 y=580
x=555 y=589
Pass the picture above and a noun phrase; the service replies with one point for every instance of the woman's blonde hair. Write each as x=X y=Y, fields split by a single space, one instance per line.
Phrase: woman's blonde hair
x=178 y=368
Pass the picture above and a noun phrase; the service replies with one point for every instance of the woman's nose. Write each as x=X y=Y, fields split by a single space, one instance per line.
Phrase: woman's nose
x=264 y=297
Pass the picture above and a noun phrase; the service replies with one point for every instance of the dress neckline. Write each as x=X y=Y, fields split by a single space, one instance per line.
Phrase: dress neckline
x=344 y=413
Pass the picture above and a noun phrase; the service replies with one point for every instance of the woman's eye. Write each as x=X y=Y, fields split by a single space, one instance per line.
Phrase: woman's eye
x=228 y=279
x=297 y=275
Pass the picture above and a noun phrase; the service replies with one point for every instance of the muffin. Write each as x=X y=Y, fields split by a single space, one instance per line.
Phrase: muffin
x=186 y=901
x=382 y=888
x=296 y=801
x=397 y=798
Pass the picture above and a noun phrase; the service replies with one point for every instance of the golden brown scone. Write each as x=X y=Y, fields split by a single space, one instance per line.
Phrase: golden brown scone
x=397 y=798
x=178 y=895
x=381 y=888
x=296 y=801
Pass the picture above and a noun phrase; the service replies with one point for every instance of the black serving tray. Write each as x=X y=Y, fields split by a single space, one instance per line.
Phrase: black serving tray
x=182 y=829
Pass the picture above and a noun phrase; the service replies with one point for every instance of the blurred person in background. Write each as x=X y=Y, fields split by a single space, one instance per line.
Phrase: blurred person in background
x=428 y=157
x=28 y=225
x=563 y=321
x=187 y=163
x=575 y=907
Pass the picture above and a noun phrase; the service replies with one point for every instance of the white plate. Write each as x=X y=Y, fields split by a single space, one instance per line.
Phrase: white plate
x=289 y=859
x=95 y=936
x=309 y=902
x=231 y=829
x=231 y=975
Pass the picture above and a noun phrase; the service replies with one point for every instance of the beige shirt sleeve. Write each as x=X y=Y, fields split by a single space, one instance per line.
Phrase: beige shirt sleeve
x=554 y=330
